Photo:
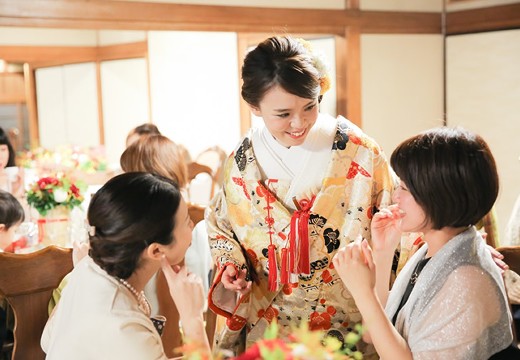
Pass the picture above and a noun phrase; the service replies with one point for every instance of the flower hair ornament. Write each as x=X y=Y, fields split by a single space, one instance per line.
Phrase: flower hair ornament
x=319 y=63
x=91 y=230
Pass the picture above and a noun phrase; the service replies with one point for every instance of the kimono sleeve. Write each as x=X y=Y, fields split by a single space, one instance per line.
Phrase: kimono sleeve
x=226 y=251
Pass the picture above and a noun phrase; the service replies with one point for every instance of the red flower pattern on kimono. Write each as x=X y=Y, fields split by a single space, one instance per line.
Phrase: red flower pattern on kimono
x=269 y=314
x=355 y=168
x=322 y=321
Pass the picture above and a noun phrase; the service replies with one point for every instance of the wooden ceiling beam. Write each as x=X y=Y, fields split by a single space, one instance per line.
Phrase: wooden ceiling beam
x=104 y=14
x=44 y=56
x=502 y=17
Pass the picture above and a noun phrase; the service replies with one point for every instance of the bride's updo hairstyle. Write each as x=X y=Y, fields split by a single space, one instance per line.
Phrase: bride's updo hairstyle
x=130 y=212
x=282 y=61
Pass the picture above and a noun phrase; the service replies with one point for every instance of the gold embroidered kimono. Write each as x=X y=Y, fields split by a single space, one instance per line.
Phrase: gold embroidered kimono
x=358 y=180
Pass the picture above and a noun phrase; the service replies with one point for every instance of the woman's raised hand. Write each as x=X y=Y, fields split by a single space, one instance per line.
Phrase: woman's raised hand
x=355 y=266
x=186 y=291
x=386 y=228
x=236 y=280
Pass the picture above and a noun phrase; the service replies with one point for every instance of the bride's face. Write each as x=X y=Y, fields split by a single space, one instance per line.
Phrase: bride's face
x=288 y=118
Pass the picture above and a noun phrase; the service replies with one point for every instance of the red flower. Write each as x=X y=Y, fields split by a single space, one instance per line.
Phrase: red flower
x=44 y=182
x=75 y=191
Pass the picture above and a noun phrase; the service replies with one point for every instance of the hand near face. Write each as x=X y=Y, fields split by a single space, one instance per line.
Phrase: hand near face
x=236 y=281
x=186 y=291
x=355 y=266
x=386 y=228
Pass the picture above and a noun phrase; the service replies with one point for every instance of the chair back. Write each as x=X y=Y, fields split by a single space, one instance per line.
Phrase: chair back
x=27 y=282
x=202 y=183
x=196 y=212
x=214 y=157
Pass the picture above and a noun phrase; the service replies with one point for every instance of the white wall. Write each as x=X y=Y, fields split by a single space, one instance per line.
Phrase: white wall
x=195 y=88
x=402 y=86
x=67 y=105
x=124 y=88
x=483 y=94
x=46 y=37
x=475 y=4
x=402 y=5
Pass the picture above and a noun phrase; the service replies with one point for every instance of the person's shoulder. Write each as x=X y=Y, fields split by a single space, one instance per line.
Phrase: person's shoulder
x=357 y=136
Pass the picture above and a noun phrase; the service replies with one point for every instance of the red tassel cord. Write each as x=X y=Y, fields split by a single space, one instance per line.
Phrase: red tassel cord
x=271 y=249
x=299 y=246
x=284 y=272
x=273 y=267
x=292 y=246
x=304 y=266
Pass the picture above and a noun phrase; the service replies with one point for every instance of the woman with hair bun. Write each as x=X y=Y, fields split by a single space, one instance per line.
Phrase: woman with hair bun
x=139 y=223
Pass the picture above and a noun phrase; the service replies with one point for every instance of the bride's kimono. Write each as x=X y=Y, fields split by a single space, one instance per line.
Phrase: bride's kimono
x=338 y=178
x=458 y=308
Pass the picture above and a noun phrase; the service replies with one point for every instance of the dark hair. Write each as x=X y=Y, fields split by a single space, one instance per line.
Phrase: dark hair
x=282 y=61
x=11 y=211
x=451 y=173
x=147 y=128
x=4 y=140
x=130 y=212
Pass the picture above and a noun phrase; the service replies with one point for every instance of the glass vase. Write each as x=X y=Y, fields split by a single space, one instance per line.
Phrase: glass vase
x=53 y=228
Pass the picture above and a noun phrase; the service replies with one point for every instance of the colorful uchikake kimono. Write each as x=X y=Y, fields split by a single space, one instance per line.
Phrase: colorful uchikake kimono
x=252 y=225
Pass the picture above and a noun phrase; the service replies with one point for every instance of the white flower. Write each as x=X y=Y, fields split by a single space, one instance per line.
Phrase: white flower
x=60 y=195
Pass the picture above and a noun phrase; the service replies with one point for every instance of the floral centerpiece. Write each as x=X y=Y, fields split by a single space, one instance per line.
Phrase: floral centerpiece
x=65 y=158
x=54 y=197
x=302 y=344
x=50 y=192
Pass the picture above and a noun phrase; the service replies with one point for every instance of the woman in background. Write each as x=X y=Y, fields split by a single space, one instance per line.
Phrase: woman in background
x=11 y=177
x=143 y=129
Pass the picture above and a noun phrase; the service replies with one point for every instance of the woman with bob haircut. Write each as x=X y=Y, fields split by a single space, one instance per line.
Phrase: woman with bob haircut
x=139 y=223
x=449 y=300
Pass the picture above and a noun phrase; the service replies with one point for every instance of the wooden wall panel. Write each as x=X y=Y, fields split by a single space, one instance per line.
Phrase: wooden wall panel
x=12 y=88
x=494 y=18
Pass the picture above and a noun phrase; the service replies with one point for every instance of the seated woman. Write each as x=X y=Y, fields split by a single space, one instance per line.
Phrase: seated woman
x=449 y=301
x=11 y=177
x=139 y=224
